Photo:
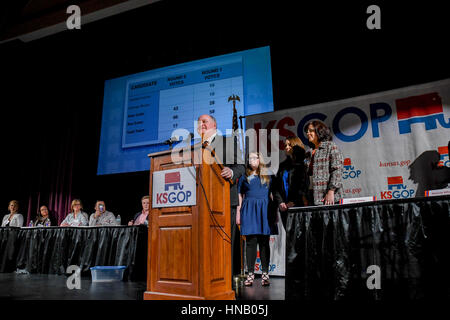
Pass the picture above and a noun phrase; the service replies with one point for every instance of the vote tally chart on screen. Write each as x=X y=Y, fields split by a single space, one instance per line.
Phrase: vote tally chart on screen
x=171 y=100
x=143 y=110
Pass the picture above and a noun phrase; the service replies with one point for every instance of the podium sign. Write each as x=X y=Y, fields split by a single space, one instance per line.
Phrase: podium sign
x=173 y=188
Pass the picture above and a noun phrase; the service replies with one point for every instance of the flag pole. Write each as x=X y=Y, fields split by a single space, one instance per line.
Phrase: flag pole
x=240 y=278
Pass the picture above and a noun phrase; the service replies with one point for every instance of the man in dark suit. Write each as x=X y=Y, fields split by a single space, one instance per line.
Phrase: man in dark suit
x=228 y=153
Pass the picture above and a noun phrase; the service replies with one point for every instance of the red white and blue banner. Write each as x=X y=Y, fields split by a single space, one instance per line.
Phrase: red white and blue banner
x=395 y=143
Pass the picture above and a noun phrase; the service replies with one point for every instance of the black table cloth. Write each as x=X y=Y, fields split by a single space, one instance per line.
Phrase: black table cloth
x=329 y=249
x=52 y=249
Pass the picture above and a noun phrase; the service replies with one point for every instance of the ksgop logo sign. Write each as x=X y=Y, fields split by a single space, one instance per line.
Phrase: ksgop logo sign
x=176 y=187
x=414 y=111
x=349 y=170
x=396 y=189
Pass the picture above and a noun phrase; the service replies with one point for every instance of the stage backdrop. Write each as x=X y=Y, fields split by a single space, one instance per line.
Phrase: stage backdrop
x=395 y=143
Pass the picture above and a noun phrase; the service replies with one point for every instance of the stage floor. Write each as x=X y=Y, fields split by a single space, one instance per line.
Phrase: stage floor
x=53 y=287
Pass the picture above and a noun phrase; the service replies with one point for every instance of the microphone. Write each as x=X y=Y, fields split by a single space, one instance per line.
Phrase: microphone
x=172 y=140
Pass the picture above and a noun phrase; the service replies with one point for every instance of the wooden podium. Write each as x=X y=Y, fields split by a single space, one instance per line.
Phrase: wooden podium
x=189 y=256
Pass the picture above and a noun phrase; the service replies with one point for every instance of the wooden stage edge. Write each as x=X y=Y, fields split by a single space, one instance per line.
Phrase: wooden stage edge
x=148 y=295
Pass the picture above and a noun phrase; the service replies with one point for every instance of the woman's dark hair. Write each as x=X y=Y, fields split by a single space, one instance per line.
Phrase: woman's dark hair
x=39 y=210
x=322 y=131
x=298 y=154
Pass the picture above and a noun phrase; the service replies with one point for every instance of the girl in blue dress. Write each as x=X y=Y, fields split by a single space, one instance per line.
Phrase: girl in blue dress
x=252 y=216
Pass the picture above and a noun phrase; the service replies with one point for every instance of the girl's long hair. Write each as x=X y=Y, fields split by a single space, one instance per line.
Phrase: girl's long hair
x=261 y=171
x=295 y=141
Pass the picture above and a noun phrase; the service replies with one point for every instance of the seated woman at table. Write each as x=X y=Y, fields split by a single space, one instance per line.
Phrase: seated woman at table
x=325 y=164
x=14 y=218
x=42 y=218
x=101 y=217
x=142 y=216
x=77 y=218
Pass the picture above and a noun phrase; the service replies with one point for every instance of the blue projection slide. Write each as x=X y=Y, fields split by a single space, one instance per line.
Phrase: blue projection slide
x=175 y=97
x=141 y=111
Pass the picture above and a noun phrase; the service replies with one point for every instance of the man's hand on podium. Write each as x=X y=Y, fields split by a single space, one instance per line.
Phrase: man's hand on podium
x=227 y=173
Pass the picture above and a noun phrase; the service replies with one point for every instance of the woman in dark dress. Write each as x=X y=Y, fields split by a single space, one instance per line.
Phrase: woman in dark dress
x=290 y=186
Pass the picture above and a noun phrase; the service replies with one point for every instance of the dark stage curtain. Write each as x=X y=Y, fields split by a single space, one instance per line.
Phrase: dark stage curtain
x=51 y=250
x=51 y=171
x=330 y=249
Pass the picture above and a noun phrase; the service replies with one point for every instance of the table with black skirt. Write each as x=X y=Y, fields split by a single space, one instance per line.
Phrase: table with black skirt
x=50 y=250
x=336 y=252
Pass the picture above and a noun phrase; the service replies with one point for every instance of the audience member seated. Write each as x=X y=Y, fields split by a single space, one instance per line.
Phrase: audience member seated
x=101 y=217
x=14 y=218
x=142 y=216
x=42 y=218
x=77 y=218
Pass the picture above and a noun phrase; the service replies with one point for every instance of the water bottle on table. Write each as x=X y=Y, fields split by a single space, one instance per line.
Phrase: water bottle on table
x=118 y=220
